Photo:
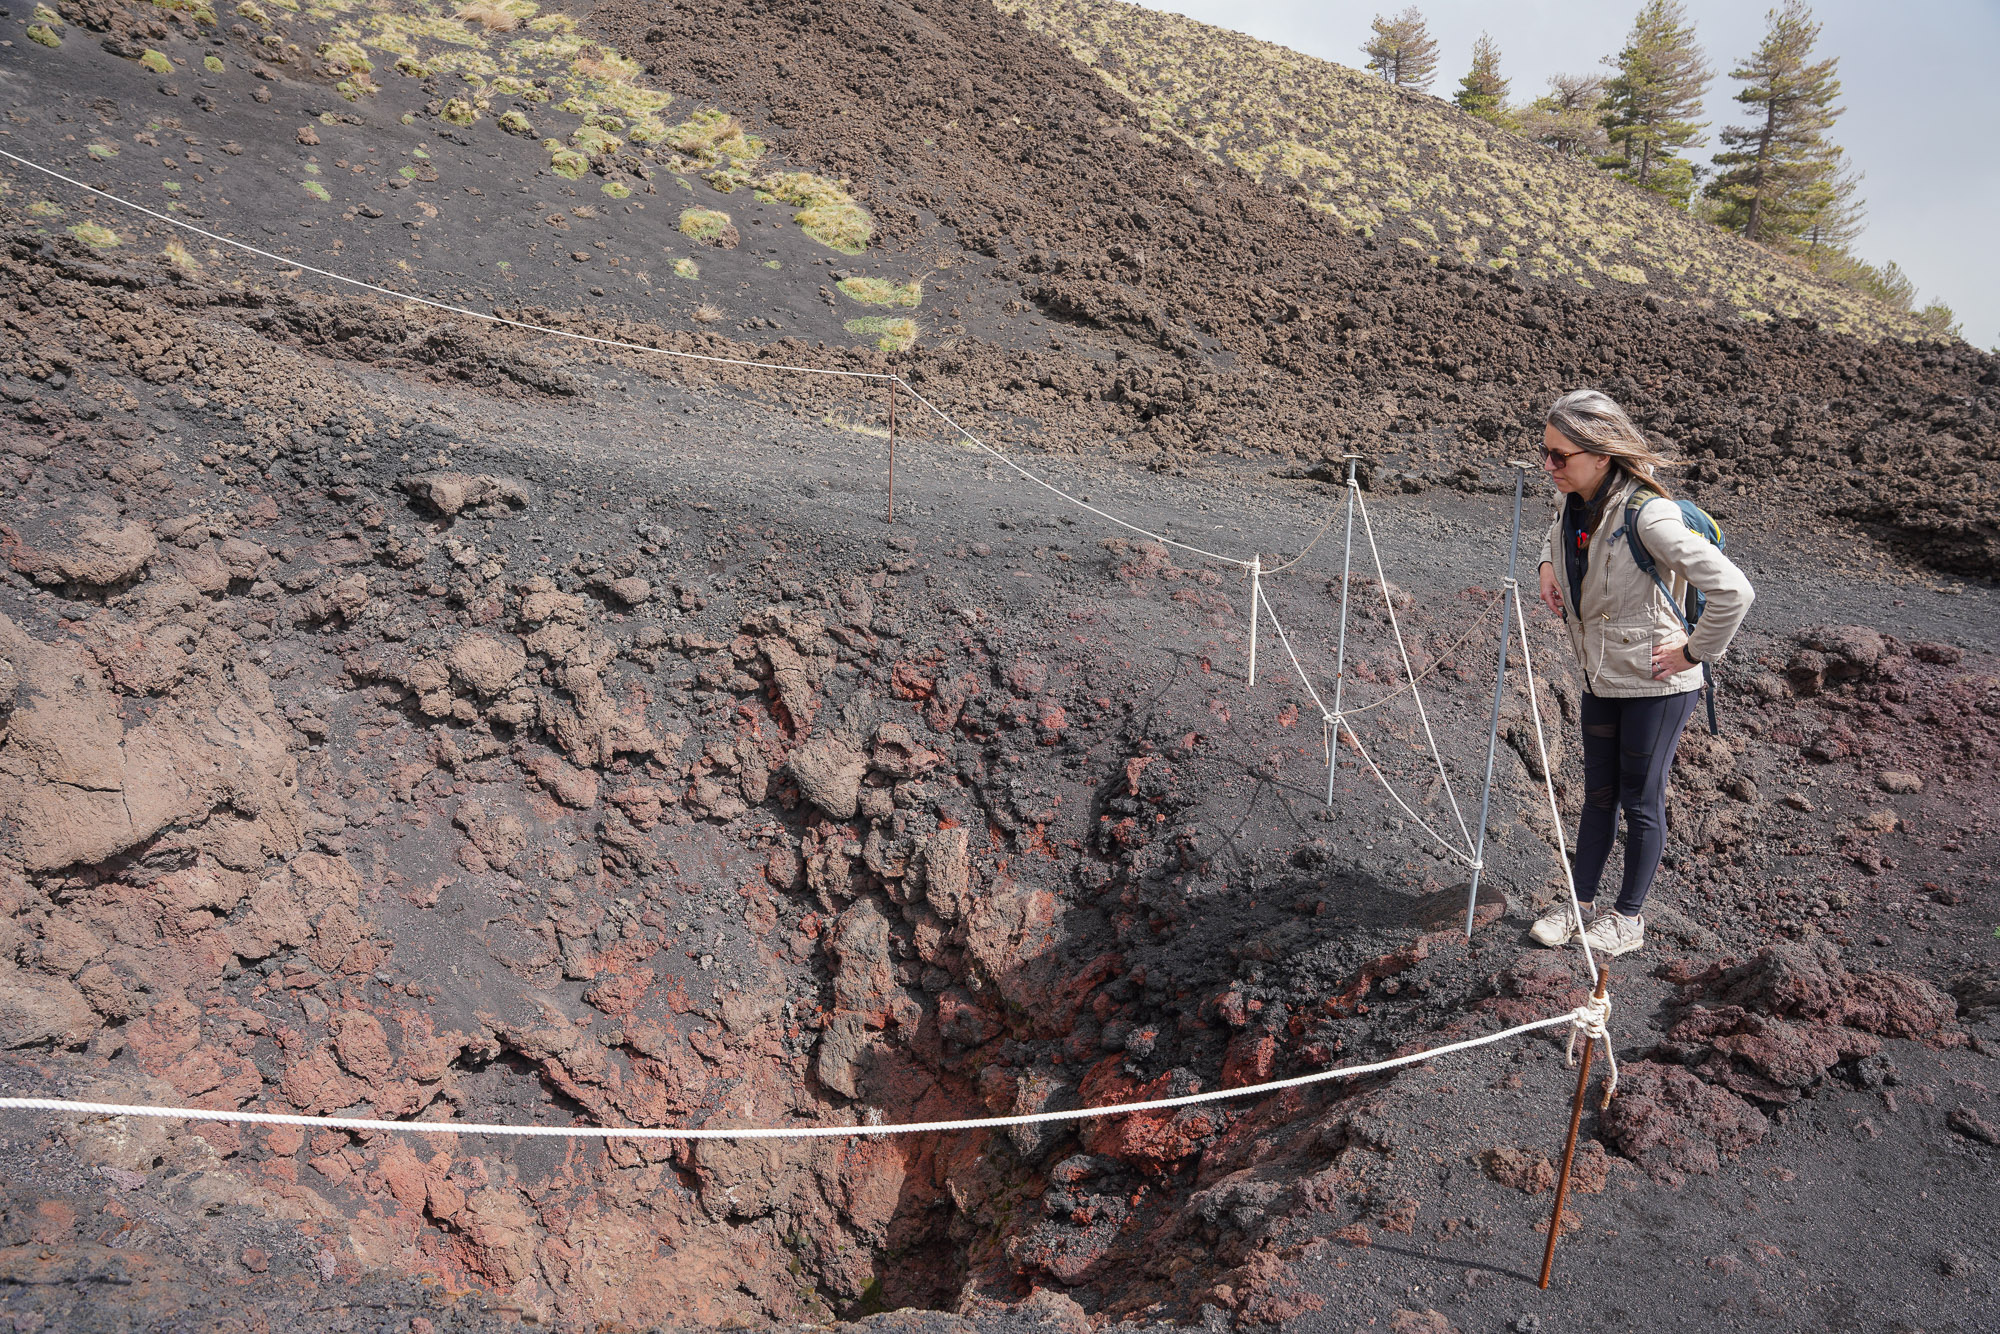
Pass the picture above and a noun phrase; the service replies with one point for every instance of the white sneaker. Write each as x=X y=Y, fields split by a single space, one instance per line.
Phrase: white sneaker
x=1613 y=934
x=1557 y=927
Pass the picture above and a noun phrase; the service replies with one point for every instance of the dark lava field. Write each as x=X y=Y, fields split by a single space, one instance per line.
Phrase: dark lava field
x=410 y=717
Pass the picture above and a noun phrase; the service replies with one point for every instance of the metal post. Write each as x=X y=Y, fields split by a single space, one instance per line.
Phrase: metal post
x=1569 y=1148
x=892 y=451
x=1340 y=653
x=1256 y=591
x=1499 y=689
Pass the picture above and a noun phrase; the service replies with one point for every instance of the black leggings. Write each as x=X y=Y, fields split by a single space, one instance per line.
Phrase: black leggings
x=1628 y=746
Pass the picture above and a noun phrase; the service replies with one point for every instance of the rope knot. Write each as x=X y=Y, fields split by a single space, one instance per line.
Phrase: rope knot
x=1592 y=1019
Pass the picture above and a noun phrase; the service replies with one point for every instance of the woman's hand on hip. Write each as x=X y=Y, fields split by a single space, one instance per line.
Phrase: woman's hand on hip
x=1551 y=596
x=1670 y=660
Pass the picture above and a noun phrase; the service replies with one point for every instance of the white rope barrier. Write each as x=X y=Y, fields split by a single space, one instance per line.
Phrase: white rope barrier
x=1085 y=505
x=1339 y=721
x=1577 y=1019
x=1416 y=696
x=1549 y=780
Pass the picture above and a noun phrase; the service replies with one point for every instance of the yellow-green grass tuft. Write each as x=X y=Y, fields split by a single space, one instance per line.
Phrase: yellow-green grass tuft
x=881 y=292
x=45 y=35
x=616 y=189
x=891 y=334
x=157 y=61
x=826 y=212
x=95 y=235
x=704 y=224
x=687 y=268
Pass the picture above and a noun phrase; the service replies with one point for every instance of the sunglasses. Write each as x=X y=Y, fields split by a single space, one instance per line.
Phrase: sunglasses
x=1557 y=459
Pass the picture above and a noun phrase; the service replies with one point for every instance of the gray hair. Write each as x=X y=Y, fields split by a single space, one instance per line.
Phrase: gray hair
x=1591 y=420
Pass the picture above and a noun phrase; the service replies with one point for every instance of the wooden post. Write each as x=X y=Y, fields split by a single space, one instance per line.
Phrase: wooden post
x=892 y=451
x=1569 y=1148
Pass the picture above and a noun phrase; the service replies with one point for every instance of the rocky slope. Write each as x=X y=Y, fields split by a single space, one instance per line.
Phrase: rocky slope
x=406 y=717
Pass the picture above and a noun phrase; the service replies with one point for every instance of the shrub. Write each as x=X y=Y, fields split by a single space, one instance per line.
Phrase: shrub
x=94 y=235
x=707 y=314
x=515 y=123
x=458 y=111
x=880 y=292
x=687 y=268
x=250 y=11
x=157 y=61
x=616 y=189
x=180 y=257
x=45 y=208
x=47 y=36
x=890 y=334
x=212 y=64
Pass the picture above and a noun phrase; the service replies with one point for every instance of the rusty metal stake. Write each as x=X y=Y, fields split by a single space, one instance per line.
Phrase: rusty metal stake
x=1569 y=1149
x=892 y=451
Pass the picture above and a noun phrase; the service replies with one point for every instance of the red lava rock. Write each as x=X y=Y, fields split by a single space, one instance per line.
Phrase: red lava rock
x=255 y=1259
x=1667 y=1120
x=1972 y=1125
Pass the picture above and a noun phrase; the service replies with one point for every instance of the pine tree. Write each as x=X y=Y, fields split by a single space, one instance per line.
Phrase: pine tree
x=1566 y=118
x=1651 y=102
x=1482 y=92
x=1402 y=51
x=1778 y=175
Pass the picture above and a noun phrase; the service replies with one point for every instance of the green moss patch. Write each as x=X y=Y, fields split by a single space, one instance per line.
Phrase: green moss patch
x=47 y=36
x=458 y=111
x=567 y=162
x=317 y=191
x=515 y=123
x=890 y=334
x=100 y=151
x=45 y=208
x=687 y=268
x=616 y=189
x=880 y=292
x=157 y=62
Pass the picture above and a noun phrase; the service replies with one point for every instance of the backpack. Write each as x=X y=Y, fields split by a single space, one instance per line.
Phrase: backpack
x=1699 y=521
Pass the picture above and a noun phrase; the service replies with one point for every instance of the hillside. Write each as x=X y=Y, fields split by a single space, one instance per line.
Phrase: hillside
x=411 y=717
x=1412 y=169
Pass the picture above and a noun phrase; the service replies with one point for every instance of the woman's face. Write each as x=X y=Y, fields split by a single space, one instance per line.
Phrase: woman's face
x=1570 y=468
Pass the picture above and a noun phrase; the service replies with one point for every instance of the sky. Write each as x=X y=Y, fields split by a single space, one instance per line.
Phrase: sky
x=1921 y=122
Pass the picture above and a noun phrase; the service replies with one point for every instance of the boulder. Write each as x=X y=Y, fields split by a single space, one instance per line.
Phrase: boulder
x=828 y=770
x=38 y=1011
x=450 y=492
x=486 y=664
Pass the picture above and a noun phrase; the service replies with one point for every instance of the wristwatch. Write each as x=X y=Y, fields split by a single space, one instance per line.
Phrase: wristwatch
x=1689 y=656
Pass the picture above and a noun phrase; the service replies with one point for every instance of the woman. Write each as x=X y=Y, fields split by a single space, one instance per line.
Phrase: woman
x=1641 y=670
